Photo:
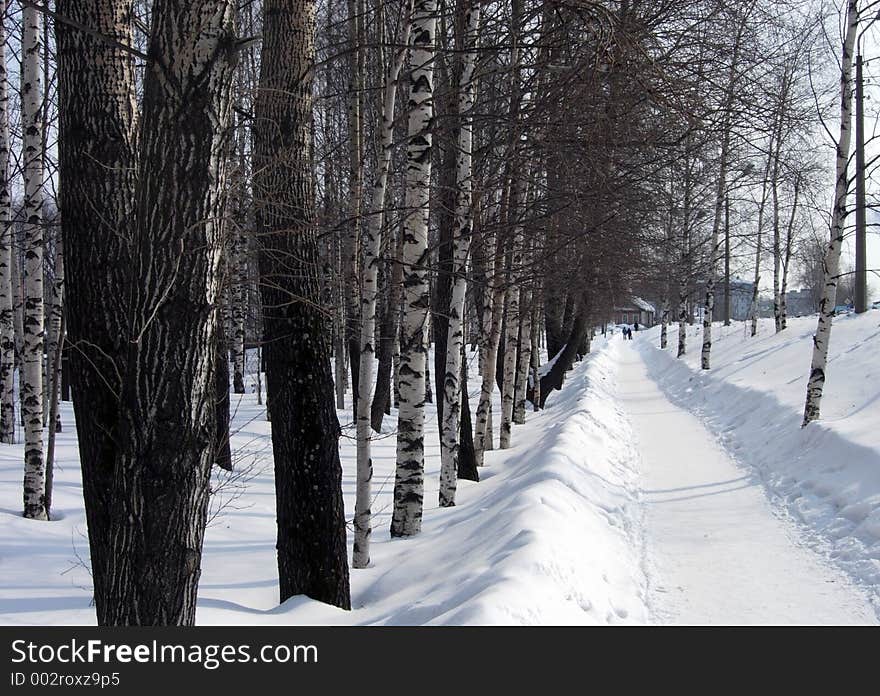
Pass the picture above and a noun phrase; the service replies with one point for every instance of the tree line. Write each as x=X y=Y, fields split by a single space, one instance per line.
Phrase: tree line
x=377 y=197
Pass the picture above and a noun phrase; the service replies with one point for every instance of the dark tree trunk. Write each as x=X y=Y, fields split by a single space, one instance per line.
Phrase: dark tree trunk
x=445 y=213
x=311 y=546
x=467 y=458
x=556 y=375
x=97 y=176
x=167 y=423
x=502 y=345
x=553 y=310
x=222 y=446
x=65 y=373
x=381 y=405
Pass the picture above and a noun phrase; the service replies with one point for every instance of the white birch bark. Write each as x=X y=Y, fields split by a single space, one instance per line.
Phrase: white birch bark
x=449 y=436
x=536 y=352
x=720 y=193
x=32 y=163
x=816 y=382
x=483 y=428
x=409 y=481
x=753 y=307
x=664 y=323
x=511 y=347
x=18 y=322
x=7 y=325
x=369 y=293
x=239 y=276
x=686 y=260
x=54 y=328
x=774 y=191
x=525 y=351
x=786 y=258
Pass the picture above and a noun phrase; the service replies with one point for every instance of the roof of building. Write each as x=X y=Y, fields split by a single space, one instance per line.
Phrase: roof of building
x=635 y=303
x=642 y=304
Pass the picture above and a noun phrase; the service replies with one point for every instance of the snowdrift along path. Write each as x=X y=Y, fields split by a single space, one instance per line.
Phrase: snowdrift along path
x=715 y=551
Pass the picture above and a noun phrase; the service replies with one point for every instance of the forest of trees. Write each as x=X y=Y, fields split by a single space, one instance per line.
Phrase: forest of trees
x=364 y=194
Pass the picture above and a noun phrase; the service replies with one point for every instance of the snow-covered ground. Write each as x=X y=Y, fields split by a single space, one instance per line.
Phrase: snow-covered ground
x=646 y=491
x=823 y=481
x=549 y=536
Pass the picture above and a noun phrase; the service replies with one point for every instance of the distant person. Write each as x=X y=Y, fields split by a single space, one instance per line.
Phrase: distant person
x=637 y=327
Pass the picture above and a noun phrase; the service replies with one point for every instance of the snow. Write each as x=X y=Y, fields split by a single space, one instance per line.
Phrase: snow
x=549 y=536
x=824 y=478
x=715 y=552
x=647 y=491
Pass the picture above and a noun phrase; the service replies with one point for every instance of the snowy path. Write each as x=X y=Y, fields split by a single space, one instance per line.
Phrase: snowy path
x=715 y=551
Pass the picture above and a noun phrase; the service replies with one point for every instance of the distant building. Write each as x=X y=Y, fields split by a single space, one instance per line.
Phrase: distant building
x=799 y=303
x=634 y=311
x=740 y=299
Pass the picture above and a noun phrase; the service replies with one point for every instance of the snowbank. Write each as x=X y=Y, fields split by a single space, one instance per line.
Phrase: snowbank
x=827 y=476
x=550 y=536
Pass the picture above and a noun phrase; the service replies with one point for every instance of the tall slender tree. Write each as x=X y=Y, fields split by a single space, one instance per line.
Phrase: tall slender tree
x=452 y=384
x=369 y=293
x=7 y=325
x=32 y=359
x=406 y=517
x=822 y=337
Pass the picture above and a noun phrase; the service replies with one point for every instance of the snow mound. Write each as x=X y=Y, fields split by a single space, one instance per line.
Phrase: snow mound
x=549 y=536
x=826 y=476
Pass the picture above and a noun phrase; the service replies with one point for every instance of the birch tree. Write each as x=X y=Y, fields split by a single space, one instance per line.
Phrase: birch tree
x=7 y=325
x=409 y=477
x=312 y=555
x=721 y=187
x=822 y=337
x=369 y=292
x=513 y=320
x=351 y=240
x=32 y=359
x=452 y=386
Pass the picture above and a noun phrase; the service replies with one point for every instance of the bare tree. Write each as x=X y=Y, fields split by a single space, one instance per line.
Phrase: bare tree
x=312 y=556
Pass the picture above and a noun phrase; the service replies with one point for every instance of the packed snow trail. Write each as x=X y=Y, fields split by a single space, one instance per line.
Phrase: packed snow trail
x=715 y=552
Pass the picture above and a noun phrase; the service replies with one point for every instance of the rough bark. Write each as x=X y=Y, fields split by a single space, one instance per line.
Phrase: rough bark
x=312 y=555
x=167 y=418
x=97 y=177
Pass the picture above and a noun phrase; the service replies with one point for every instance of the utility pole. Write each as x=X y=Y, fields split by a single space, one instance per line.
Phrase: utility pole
x=861 y=279
x=726 y=261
